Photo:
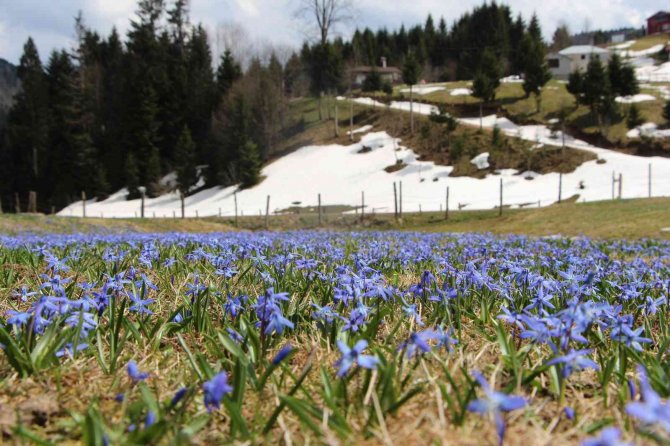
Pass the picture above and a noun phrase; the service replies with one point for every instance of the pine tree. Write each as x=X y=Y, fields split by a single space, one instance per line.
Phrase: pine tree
x=597 y=93
x=615 y=74
x=185 y=162
x=535 y=71
x=228 y=73
x=576 y=85
x=373 y=82
x=629 y=83
x=487 y=79
x=132 y=176
x=250 y=165
x=27 y=127
x=410 y=76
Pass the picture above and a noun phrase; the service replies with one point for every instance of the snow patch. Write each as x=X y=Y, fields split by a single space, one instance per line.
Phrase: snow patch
x=635 y=98
x=481 y=161
x=424 y=89
x=460 y=92
x=364 y=129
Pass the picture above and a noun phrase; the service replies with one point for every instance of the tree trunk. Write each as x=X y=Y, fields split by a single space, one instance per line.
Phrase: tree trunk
x=481 y=115
x=411 y=110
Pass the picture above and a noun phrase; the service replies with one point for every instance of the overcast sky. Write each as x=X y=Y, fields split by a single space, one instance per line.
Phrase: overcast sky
x=50 y=22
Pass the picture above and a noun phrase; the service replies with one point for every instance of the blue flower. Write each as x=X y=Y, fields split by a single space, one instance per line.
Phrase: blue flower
x=418 y=342
x=215 y=390
x=135 y=373
x=282 y=354
x=574 y=360
x=150 y=420
x=353 y=355
x=277 y=323
x=139 y=304
x=652 y=410
x=610 y=436
x=495 y=403
x=178 y=396
x=18 y=318
x=631 y=338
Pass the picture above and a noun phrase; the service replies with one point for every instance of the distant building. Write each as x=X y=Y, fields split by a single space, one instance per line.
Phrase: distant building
x=574 y=58
x=618 y=38
x=659 y=23
x=389 y=75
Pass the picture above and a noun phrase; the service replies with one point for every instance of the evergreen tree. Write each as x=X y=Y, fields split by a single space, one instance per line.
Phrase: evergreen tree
x=410 y=76
x=535 y=71
x=250 y=165
x=132 y=176
x=629 y=83
x=615 y=74
x=487 y=79
x=185 y=162
x=373 y=82
x=576 y=84
x=201 y=99
x=228 y=73
x=596 y=91
x=27 y=139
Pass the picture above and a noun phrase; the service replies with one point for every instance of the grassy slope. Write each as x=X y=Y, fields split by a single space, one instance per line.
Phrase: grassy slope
x=511 y=98
x=606 y=219
x=648 y=41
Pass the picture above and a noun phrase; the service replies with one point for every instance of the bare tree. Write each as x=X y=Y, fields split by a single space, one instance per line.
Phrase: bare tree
x=235 y=38
x=326 y=13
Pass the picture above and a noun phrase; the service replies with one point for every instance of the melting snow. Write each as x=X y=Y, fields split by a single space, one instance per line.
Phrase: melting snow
x=340 y=174
x=635 y=98
x=481 y=161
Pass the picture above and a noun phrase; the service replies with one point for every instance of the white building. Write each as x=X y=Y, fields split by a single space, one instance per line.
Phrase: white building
x=574 y=58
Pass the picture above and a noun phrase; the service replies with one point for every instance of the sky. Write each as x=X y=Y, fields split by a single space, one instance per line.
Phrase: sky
x=50 y=22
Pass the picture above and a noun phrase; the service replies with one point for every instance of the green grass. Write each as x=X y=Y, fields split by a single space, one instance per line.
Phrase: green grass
x=511 y=99
x=646 y=42
x=605 y=219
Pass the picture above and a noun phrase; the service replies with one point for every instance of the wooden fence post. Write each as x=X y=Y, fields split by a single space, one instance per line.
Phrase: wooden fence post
x=235 y=195
x=446 y=212
x=395 y=201
x=83 y=204
x=337 y=122
x=17 y=203
x=560 y=187
x=183 y=205
x=501 y=198
x=400 y=200
x=267 y=213
x=362 y=205
x=620 y=184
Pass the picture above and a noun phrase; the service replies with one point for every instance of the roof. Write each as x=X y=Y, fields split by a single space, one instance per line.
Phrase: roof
x=582 y=49
x=659 y=14
x=367 y=69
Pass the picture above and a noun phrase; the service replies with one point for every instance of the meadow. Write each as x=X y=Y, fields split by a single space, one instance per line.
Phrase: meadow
x=330 y=337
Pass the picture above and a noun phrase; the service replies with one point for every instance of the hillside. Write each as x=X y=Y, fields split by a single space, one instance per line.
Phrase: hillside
x=340 y=171
x=9 y=85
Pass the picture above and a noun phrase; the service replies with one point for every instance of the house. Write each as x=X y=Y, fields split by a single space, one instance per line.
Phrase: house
x=389 y=75
x=574 y=58
x=659 y=23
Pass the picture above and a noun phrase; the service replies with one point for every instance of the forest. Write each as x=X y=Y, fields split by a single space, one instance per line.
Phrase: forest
x=123 y=111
